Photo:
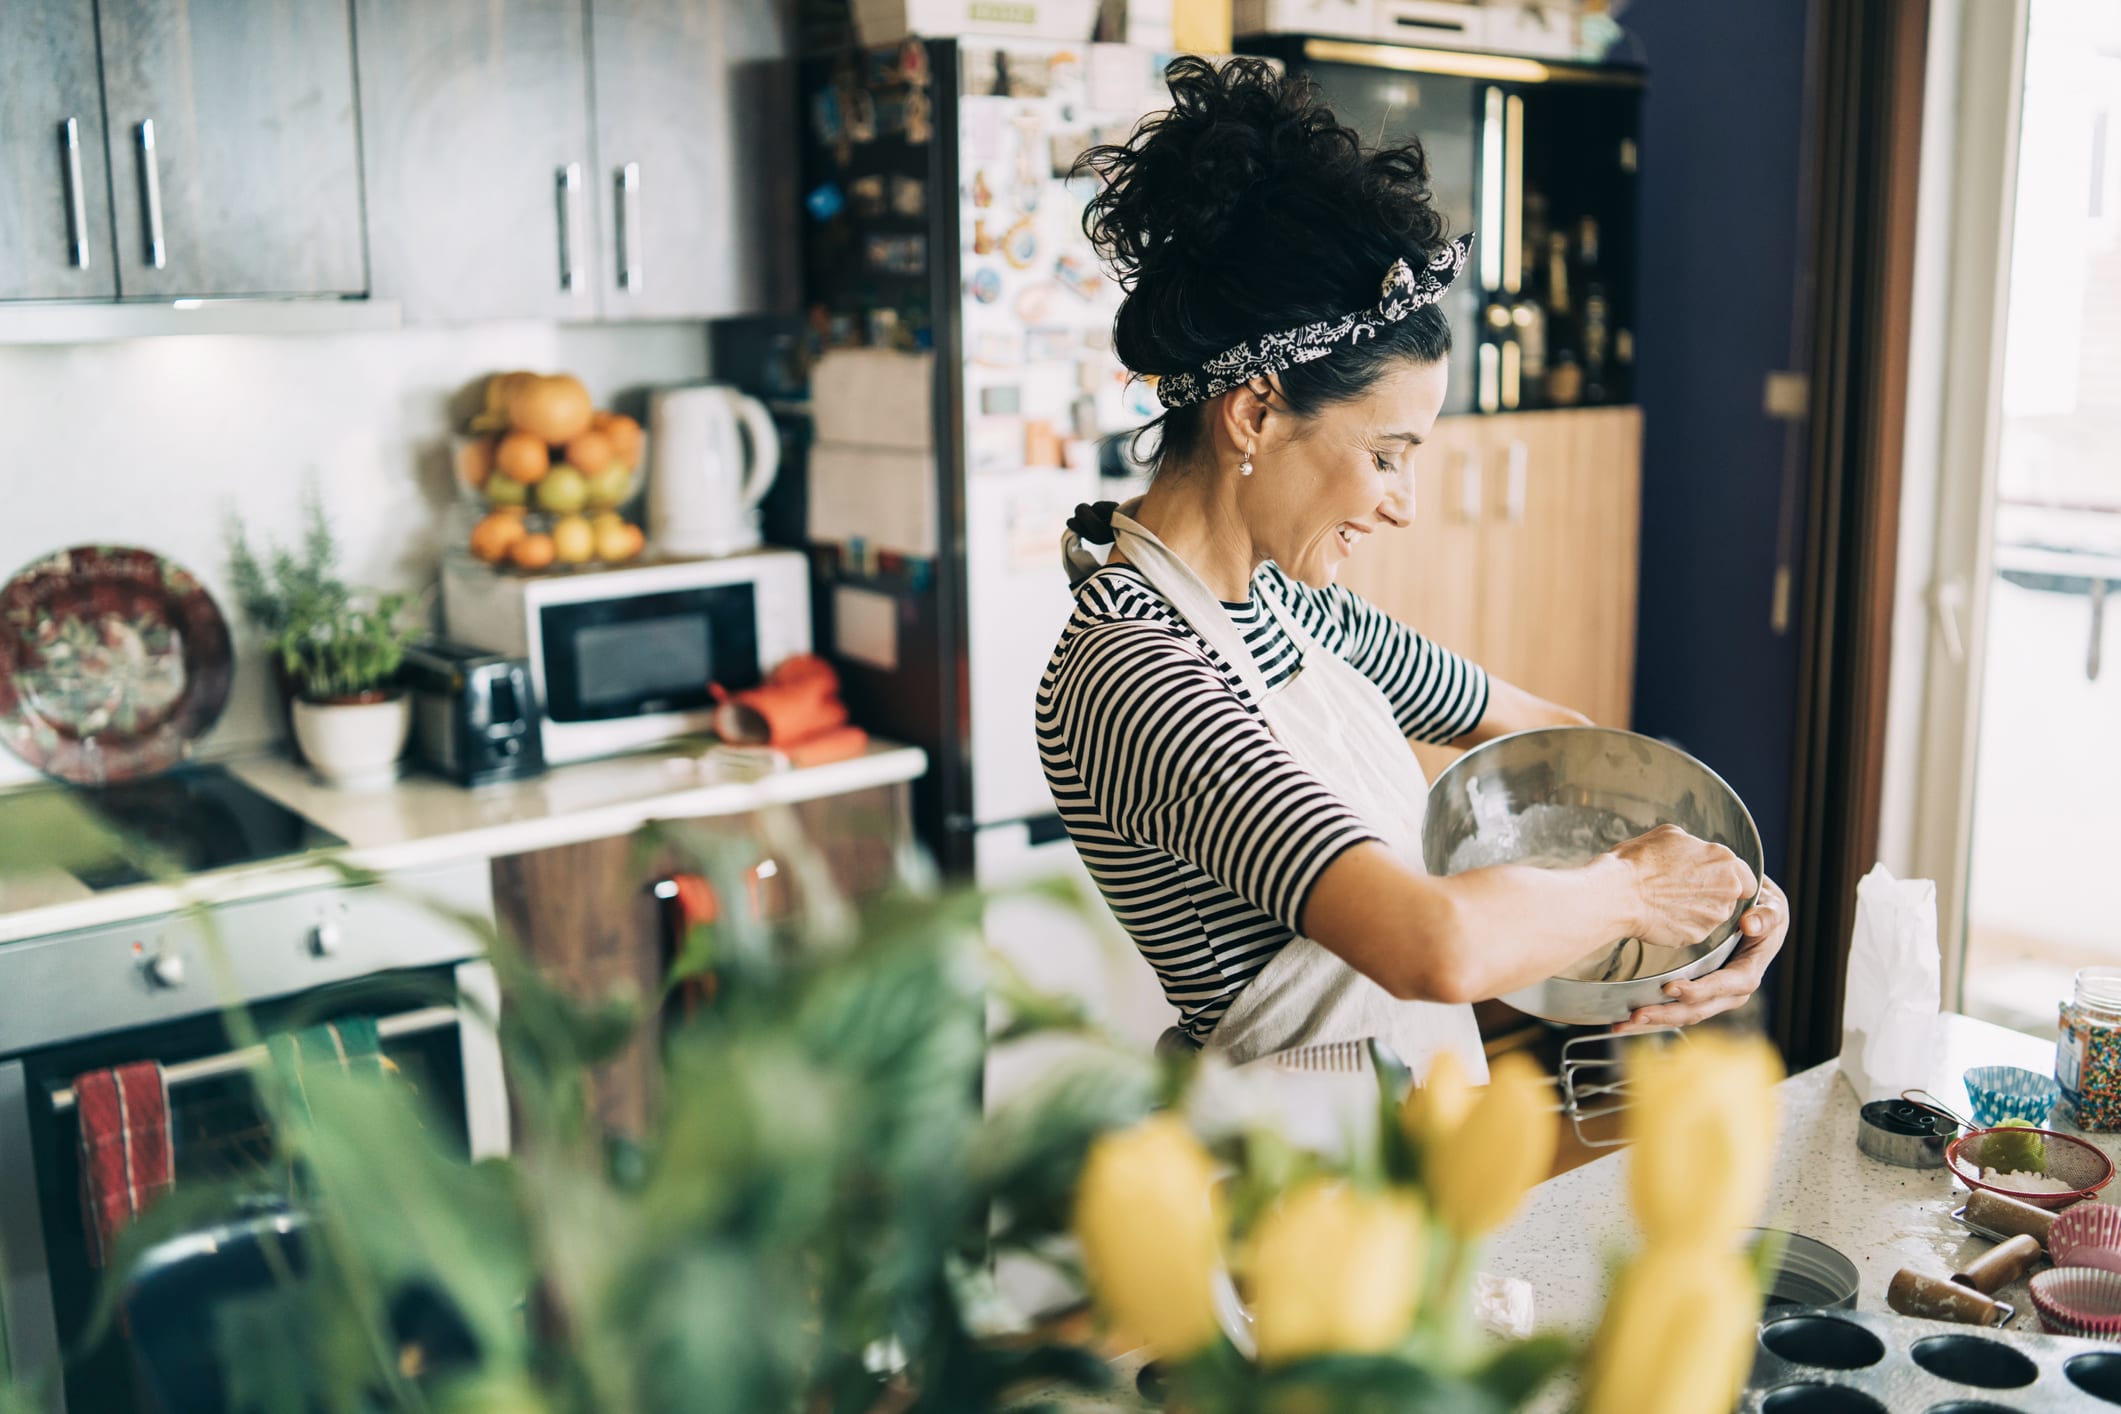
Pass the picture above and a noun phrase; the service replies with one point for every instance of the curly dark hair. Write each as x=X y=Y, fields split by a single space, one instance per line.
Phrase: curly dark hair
x=1247 y=208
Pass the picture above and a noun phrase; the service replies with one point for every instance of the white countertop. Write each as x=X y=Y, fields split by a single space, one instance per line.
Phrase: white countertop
x=424 y=820
x=1880 y=1217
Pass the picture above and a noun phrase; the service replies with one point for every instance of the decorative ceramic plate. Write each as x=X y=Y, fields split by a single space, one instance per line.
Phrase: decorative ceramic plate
x=113 y=662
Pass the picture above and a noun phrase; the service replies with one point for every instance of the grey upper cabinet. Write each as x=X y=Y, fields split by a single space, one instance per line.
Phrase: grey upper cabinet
x=695 y=174
x=235 y=159
x=54 y=184
x=475 y=141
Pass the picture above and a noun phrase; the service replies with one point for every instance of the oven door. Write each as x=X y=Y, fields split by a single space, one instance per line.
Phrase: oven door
x=435 y=1028
x=631 y=671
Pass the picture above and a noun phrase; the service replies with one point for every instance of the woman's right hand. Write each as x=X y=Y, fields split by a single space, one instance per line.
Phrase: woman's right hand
x=1688 y=887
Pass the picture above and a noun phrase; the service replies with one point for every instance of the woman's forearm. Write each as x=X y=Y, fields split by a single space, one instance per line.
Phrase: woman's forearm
x=1512 y=709
x=1474 y=935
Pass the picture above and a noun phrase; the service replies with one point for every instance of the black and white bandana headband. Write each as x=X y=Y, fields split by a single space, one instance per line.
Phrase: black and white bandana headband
x=1403 y=292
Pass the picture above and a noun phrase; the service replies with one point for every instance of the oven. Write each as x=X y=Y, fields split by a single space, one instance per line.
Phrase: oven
x=147 y=990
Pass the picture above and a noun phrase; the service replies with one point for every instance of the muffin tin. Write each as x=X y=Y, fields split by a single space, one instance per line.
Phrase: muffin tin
x=1820 y=1360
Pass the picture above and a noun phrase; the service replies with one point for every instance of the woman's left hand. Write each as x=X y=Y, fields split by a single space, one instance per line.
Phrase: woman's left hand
x=1764 y=927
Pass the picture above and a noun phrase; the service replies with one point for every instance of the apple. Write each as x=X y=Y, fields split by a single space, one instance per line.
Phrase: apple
x=507 y=491
x=609 y=486
x=564 y=491
x=573 y=541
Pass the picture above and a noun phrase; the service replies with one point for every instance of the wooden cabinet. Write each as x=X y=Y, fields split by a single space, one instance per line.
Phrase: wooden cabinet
x=235 y=159
x=1523 y=553
x=476 y=143
x=54 y=182
x=695 y=178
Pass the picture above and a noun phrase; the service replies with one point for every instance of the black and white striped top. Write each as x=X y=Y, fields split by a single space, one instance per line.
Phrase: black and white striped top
x=1203 y=833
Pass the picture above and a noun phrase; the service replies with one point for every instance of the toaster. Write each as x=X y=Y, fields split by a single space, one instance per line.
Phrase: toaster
x=474 y=713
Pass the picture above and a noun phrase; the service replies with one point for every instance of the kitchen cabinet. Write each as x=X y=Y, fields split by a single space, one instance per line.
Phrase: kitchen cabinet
x=1523 y=552
x=235 y=159
x=476 y=145
x=55 y=232
x=556 y=159
x=696 y=165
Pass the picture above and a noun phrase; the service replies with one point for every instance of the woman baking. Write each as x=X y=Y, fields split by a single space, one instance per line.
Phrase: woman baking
x=1226 y=730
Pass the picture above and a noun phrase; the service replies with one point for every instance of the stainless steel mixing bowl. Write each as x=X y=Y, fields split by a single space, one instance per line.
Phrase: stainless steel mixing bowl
x=1563 y=795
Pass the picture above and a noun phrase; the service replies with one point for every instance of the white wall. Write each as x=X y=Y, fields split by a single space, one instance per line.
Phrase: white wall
x=156 y=442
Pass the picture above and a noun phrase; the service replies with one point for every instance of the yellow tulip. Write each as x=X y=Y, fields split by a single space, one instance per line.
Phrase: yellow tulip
x=1333 y=1270
x=1478 y=1176
x=1151 y=1234
x=1432 y=1113
x=1701 y=1121
x=1677 y=1337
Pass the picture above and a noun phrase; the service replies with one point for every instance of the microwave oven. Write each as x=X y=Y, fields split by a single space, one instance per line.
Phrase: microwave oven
x=625 y=658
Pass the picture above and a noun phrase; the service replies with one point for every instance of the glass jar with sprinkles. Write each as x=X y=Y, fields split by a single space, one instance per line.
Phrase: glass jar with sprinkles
x=2088 y=1051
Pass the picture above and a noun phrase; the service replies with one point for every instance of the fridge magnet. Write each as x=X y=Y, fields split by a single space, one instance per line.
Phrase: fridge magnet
x=1064 y=149
x=1020 y=244
x=985 y=285
x=826 y=120
x=1077 y=274
x=1042 y=445
x=1037 y=303
x=1049 y=345
x=1028 y=75
x=909 y=195
x=979 y=72
x=997 y=348
x=920 y=123
x=867 y=194
x=1001 y=400
x=984 y=241
x=982 y=189
x=825 y=201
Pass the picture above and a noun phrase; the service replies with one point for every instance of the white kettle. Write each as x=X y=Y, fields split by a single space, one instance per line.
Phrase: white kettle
x=706 y=482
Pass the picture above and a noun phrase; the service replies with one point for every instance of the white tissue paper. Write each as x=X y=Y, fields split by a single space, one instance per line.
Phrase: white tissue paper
x=1889 y=1031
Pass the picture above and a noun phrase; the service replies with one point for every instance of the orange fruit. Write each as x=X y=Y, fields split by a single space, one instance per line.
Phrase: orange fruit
x=533 y=552
x=624 y=434
x=555 y=409
x=572 y=540
x=493 y=537
x=636 y=541
x=475 y=462
x=591 y=452
x=522 y=457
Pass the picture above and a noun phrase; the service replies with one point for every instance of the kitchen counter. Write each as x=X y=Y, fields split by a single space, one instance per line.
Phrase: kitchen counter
x=424 y=820
x=1880 y=1217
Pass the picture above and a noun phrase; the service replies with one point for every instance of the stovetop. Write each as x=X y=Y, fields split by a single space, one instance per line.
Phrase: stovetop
x=189 y=820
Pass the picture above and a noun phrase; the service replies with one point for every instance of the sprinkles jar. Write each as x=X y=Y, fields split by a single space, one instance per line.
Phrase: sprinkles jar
x=2088 y=1051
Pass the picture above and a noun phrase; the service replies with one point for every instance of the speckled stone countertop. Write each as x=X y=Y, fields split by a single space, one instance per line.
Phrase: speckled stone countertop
x=1880 y=1217
x=1563 y=1242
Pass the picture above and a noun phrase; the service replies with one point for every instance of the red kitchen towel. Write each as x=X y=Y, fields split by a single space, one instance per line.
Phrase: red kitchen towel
x=126 y=1157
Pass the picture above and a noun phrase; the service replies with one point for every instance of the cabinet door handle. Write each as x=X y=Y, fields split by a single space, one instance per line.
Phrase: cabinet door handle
x=151 y=188
x=630 y=228
x=76 y=196
x=1469 y=490
x=1513 y=195
x=568 y=182
x=1516 y=488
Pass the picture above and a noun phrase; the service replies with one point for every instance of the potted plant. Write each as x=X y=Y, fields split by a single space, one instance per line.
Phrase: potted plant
x=350 y=718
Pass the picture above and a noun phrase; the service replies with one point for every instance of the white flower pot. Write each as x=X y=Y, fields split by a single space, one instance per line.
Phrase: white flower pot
x=354 y=744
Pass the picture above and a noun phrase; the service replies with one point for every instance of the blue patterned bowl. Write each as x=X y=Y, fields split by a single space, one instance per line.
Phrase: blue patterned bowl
x=2001 y=1092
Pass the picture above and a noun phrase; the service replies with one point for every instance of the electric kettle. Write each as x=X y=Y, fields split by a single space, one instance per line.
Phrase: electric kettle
x=715 y=452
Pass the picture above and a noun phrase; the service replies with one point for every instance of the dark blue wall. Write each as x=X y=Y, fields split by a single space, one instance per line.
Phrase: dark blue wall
x=1722 y=150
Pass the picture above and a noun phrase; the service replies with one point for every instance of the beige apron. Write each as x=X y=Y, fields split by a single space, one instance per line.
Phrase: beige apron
x=1338 y=725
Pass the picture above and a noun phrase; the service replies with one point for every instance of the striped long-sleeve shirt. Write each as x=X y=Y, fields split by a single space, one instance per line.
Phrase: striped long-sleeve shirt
x=1203 y=833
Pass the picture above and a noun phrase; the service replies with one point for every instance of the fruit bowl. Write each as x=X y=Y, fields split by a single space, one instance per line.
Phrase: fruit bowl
x=542 y=476
x=560 y=487
x=514 y=540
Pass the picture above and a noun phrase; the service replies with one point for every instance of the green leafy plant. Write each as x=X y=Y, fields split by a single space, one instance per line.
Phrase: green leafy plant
x=331 y=640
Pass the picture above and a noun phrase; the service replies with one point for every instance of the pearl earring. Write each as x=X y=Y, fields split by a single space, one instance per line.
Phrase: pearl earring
x=1244 y=468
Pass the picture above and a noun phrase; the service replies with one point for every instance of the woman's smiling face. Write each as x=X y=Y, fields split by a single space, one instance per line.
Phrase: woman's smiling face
x=1322 y=484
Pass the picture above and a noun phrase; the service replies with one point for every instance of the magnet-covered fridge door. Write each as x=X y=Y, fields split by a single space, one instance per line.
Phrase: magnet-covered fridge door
x=1042 y=388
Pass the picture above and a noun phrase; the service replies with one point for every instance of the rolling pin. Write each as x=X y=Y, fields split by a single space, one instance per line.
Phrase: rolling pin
x=2008 y=1216
x=1935 y=1298
x=2001 y=1265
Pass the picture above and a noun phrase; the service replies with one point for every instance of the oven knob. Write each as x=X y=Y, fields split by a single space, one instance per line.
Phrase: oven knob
x=166 y=969
x=324 y=939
